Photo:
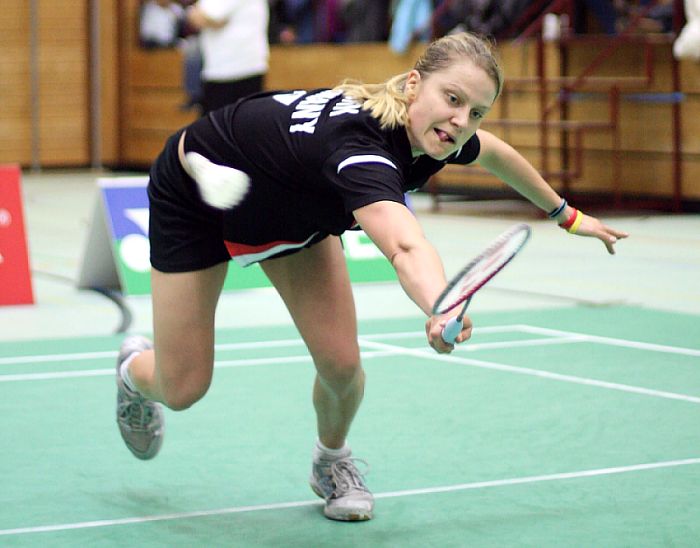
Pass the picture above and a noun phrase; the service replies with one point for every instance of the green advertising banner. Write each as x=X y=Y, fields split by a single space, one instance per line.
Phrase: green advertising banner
x=117 y=250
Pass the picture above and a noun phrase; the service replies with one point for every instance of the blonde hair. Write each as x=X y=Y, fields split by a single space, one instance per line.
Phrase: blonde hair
x=388 y=101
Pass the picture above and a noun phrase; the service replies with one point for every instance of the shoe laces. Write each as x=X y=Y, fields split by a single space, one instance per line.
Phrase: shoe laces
x=347 y=478
x=137 y=413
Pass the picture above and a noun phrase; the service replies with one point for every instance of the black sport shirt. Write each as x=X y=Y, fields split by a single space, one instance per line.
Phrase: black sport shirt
x=313 y=157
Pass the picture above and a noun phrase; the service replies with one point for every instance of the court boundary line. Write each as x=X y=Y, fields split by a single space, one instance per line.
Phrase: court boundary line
x=563 y=476
x=383 y=349
x=243 y=362
x=555 y=334
x=219 y=364
x=612 y=341
x=430 y=355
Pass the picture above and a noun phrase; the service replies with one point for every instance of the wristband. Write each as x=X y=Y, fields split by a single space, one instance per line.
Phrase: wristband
x=557 y=210
x=577 y=223
x=571 y=220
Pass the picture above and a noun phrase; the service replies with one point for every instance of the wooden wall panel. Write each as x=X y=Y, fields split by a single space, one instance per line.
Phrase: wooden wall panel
x=143 y=146
x=149 y=111
x=325 y=65
x=63 y=83
x=690 y=114
x=15 y=100
x=643 y=174
x=690 y=76
x=156 y=69
x=691 y=176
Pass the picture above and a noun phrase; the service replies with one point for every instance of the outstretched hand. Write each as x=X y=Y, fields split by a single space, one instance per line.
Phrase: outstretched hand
x=594 y=228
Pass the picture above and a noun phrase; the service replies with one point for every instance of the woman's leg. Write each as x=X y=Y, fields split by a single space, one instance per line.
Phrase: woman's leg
x=315 y=286
x=178 y=371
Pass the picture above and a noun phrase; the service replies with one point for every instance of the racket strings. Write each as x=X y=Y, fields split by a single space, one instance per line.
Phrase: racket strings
x=483 y=268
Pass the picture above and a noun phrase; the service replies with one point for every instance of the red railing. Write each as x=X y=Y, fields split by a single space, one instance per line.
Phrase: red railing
x=565 y=86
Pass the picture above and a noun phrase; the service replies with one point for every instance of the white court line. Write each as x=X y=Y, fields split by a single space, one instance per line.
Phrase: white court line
x=281 y=343
x=81 y=356
x=18 y=377
x=429 y=354
x=609 y=340
x=468 y=347
x=557 y=337
x=473 y=347
x=390 y=494
x=46 y=358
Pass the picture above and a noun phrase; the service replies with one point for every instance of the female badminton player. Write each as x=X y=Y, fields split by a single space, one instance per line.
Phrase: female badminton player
x=275 y=179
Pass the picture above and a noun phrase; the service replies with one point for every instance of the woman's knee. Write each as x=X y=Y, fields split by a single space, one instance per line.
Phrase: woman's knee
x=183 y=391
x=340 y=371
x=180 y=398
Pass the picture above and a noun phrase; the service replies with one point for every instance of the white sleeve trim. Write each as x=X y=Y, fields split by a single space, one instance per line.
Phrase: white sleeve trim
x=365 y=159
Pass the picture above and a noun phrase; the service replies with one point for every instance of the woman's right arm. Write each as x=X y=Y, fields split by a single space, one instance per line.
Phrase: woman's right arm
x=397 y=233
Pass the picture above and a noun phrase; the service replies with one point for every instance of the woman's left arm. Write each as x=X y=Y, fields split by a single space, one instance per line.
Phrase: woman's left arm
x=501 y=159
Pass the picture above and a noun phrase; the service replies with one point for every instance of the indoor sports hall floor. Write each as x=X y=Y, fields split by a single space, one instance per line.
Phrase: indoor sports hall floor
x=572 y=417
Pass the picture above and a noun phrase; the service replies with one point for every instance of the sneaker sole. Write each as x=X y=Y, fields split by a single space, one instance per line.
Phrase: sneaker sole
x=363 y=516
x=350 y=517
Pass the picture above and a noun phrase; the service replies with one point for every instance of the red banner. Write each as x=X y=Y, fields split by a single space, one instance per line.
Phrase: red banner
x=15 y=277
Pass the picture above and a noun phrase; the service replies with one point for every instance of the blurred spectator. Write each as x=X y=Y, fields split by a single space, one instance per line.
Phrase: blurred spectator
x=328 y=25
x=280 y=28
x=160 y=23
x=307 y=21
x=292 y=21
x=192 y=72
x=497 y=18
x=412 y=20
x=659 y=18
x=233 y=39
x=365 y=20
x=604 y=13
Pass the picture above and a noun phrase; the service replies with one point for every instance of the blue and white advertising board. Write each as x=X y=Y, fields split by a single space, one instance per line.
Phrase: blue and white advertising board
x=117 y=249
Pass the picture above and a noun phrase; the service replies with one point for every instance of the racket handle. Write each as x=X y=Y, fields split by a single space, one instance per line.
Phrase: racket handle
x=452 y=329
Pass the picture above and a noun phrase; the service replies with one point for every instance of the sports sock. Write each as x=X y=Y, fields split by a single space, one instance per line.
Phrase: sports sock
x=325 y=453
x=124 y=372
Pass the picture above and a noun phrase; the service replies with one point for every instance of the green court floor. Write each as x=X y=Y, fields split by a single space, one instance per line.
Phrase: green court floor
x=565 y=427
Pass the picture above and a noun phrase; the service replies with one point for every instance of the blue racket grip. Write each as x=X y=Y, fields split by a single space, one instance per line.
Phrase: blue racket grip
x=452 y=329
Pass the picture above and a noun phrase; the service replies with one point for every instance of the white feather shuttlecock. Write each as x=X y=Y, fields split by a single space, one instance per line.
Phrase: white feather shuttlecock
x=687 y=45
x=221 y=187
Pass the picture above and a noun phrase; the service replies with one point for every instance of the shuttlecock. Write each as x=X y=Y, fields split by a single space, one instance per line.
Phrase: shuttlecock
x=221 y=187
x=687 y=45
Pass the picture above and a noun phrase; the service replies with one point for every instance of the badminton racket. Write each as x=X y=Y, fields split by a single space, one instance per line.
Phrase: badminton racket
x=476 y=274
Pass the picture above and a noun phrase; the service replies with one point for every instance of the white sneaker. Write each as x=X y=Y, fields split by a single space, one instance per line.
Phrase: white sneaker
x=342 y=486
x=140 y=420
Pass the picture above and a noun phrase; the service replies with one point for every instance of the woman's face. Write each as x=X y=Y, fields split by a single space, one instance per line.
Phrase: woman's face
x=446 y=107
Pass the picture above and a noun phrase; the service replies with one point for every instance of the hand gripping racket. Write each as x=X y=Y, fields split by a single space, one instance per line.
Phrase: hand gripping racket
x=475 y=275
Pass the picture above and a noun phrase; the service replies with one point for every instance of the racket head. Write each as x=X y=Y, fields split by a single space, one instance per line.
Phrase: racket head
x=482 y=268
